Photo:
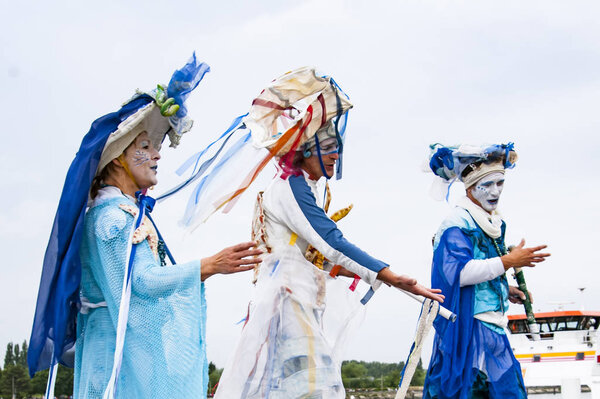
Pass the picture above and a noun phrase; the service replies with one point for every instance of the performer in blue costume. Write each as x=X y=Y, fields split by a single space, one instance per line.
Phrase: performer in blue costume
x=136 y=325
x=472 y=357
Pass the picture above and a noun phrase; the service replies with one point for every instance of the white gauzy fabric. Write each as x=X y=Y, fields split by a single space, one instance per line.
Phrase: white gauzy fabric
x=479 y=270
x=490 y=224
x=291 y=345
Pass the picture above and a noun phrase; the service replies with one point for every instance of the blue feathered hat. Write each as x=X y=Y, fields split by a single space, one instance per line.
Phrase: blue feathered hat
x=161 y=112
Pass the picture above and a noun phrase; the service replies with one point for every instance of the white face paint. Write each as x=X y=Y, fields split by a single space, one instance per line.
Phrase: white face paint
x=487 y=191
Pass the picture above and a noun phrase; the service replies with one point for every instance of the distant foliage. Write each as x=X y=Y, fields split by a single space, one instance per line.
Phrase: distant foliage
x=214 y=374
x=15 y=376
x=360 y=374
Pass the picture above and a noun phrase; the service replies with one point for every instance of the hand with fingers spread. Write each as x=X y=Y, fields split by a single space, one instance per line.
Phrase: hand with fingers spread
x=235 y=259
x=521 y=257
x=409 y=284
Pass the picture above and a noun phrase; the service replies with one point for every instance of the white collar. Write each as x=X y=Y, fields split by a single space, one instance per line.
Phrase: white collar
x=490 y=224
x=109 y=192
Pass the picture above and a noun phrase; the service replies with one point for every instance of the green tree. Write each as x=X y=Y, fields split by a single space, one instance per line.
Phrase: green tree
x=214 y=375
x=22 y=358
x=353 y=369
x=9 y=357
x=38 y=382
x=419 y=376
x=64 y=381
x=355 y=375
x=15 y=377
x=392 y=379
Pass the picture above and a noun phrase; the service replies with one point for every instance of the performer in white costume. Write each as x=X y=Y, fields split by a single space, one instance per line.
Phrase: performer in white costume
x=284 y=351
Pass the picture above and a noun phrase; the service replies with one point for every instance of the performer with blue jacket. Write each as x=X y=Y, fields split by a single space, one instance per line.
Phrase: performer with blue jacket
x=135 y=325
x=472 y=357
x=286 y=350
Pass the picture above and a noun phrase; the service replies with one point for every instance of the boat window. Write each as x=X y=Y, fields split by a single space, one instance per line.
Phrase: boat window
x=537 y=358
x=580 y=356
x=552 y=324
x=545 y=326
x=518 y=326
x=565 y=323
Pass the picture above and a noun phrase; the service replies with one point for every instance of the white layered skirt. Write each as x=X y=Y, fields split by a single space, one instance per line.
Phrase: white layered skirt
x=290 y=345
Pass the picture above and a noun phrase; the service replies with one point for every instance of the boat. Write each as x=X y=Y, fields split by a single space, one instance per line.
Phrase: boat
x=563 y=357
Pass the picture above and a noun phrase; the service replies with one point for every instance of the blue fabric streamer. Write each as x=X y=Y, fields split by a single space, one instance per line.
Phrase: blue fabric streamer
x=318 y=146
x=58 y=301
x=205 y=182
x=274 y=267
x=367 y=296
x=196 y=157
x=144 y=204
x=196 y=174
x=160 y=237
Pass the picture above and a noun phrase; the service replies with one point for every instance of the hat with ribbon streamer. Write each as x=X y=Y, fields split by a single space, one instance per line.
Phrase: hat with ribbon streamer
x=284 y=116
x=160 y=112
x=467 y=163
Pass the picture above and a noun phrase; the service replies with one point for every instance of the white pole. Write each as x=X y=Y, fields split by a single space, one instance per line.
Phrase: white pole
x=445 y=313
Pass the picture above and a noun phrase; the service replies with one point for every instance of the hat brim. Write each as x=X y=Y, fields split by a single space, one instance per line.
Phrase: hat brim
x=146 y=119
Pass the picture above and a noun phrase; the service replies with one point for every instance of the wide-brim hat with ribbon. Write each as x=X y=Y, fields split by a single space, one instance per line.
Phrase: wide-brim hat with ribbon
x=298 y=101
x=166 y=115
x=160 y=112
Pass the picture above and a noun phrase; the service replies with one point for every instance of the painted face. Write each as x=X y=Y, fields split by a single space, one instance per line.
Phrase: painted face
x=487 y=191
x=141 y=157
x=313 y=166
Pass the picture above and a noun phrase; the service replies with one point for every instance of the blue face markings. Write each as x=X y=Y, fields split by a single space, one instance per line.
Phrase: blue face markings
x=488 y=192
x=140 y=157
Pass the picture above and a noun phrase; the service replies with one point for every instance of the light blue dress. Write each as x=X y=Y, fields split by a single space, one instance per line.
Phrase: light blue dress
x=164 y=353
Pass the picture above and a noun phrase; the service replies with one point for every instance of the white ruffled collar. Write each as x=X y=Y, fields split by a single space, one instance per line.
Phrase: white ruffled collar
x=108 y=192
x=490 y=224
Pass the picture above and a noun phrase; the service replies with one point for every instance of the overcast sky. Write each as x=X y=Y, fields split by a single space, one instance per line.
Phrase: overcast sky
x=418 y=72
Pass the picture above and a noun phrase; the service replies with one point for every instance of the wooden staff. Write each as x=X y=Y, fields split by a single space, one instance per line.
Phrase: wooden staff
x=534 y=327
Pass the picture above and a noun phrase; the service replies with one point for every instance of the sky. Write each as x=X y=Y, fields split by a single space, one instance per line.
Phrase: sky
x=418 y=72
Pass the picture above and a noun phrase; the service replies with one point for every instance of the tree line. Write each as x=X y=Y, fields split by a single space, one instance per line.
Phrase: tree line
x=14 y=376
x=359 y=374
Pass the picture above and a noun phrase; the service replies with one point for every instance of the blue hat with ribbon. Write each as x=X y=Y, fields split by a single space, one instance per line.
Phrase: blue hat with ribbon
x=467 y=163
x=161 y=113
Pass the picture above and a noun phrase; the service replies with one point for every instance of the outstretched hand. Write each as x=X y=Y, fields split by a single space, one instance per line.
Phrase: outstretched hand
x=235 y=259
x=409 y=284
x=520 y=256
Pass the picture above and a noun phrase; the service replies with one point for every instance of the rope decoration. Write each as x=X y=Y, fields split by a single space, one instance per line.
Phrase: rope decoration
x=429 y=312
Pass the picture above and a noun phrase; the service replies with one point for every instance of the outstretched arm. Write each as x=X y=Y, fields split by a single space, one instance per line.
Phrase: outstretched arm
x=409 y=284
x=234 y=259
